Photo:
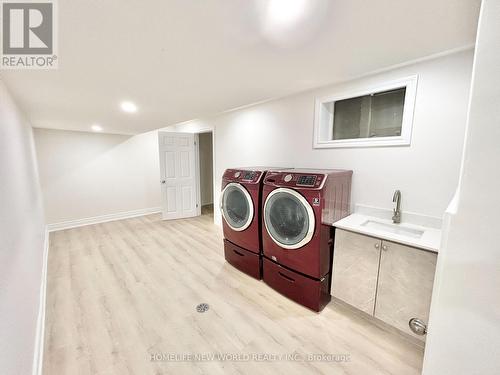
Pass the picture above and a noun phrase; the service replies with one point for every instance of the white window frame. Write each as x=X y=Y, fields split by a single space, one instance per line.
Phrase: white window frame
x=323 y=118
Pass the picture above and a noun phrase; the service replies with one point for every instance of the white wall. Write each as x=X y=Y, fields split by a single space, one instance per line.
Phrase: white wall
x=206 y=168
x=84 y=175
x=464 y=325
x=279 y=133
x=22 y=234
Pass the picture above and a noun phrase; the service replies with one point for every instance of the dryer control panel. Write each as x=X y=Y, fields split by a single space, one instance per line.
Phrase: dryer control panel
x=306 y=180
x=298 y=180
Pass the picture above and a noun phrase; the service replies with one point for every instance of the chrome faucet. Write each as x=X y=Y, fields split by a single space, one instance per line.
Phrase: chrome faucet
x=396 y=218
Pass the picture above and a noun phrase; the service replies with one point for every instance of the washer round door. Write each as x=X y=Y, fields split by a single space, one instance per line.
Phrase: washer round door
x=236 y=206
x=288 y=218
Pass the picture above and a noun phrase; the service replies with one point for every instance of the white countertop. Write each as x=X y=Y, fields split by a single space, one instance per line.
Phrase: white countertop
x=430 y=239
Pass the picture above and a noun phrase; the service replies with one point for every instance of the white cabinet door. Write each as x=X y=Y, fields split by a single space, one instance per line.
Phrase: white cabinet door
x=405 y=285
x=178 y=175
x=355 y=269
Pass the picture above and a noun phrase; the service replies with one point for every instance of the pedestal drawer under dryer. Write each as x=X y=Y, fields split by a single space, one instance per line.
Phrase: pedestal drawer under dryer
x=309 y=292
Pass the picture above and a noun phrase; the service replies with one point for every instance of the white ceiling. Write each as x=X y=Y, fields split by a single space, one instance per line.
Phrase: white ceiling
x=184 y=59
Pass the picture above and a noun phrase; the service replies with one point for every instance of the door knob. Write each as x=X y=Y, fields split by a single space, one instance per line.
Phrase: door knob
x=162 y=181
x=377 y=246
x=384 y=247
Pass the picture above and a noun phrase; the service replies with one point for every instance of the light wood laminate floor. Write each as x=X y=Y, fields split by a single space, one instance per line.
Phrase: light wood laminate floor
x=124 y=291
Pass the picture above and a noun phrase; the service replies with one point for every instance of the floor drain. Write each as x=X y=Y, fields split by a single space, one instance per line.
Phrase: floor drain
x=202 y=307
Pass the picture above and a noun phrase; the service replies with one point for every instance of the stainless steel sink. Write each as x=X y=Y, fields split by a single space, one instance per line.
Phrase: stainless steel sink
x=399 y=229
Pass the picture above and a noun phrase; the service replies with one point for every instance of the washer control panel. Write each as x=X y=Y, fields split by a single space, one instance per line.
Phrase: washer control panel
x=249 y=175
x=241 y=175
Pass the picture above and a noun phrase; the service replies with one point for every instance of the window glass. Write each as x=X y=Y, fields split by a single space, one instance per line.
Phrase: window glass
x=368 y=116
x=236 y=207
x=286 y=218
x=387 y=113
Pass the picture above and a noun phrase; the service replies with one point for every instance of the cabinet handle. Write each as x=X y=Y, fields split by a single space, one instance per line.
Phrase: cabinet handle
x=286 y=277
x=417 y=326
x=377 y=246
x=384 y=247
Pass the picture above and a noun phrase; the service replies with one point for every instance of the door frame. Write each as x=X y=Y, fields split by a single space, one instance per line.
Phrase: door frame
x=208 y=129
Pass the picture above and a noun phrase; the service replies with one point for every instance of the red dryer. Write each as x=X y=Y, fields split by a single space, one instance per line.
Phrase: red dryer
x=299 y=208
x=240 y=204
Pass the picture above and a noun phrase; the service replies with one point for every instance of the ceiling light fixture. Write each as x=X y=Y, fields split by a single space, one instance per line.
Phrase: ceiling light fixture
x=288 y=23
x=96 y=128
x=128 y=107
x=285 y=13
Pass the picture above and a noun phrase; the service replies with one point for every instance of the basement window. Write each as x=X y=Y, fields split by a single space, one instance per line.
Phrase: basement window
x=380 y=116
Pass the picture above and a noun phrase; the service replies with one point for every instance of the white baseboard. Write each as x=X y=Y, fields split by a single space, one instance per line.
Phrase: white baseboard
x=102 y=219
x=40 y=324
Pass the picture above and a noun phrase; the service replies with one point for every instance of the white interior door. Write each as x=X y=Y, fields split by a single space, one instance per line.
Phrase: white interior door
x=178 y=175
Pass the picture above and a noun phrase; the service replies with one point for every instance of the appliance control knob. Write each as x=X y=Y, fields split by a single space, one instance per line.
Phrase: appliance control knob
x=288 y=178
x=237 y=174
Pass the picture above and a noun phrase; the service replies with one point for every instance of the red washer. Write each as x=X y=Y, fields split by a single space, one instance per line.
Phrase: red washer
x=240 y=205
x=299 y=208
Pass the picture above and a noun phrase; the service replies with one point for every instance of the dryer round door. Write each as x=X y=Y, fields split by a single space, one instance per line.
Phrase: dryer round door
x=288 y=218
x=236 y=206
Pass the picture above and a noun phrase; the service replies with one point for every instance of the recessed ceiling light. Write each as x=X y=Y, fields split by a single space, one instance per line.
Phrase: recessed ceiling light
x=128 y=107
x=96 y=128
x=284 y=13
